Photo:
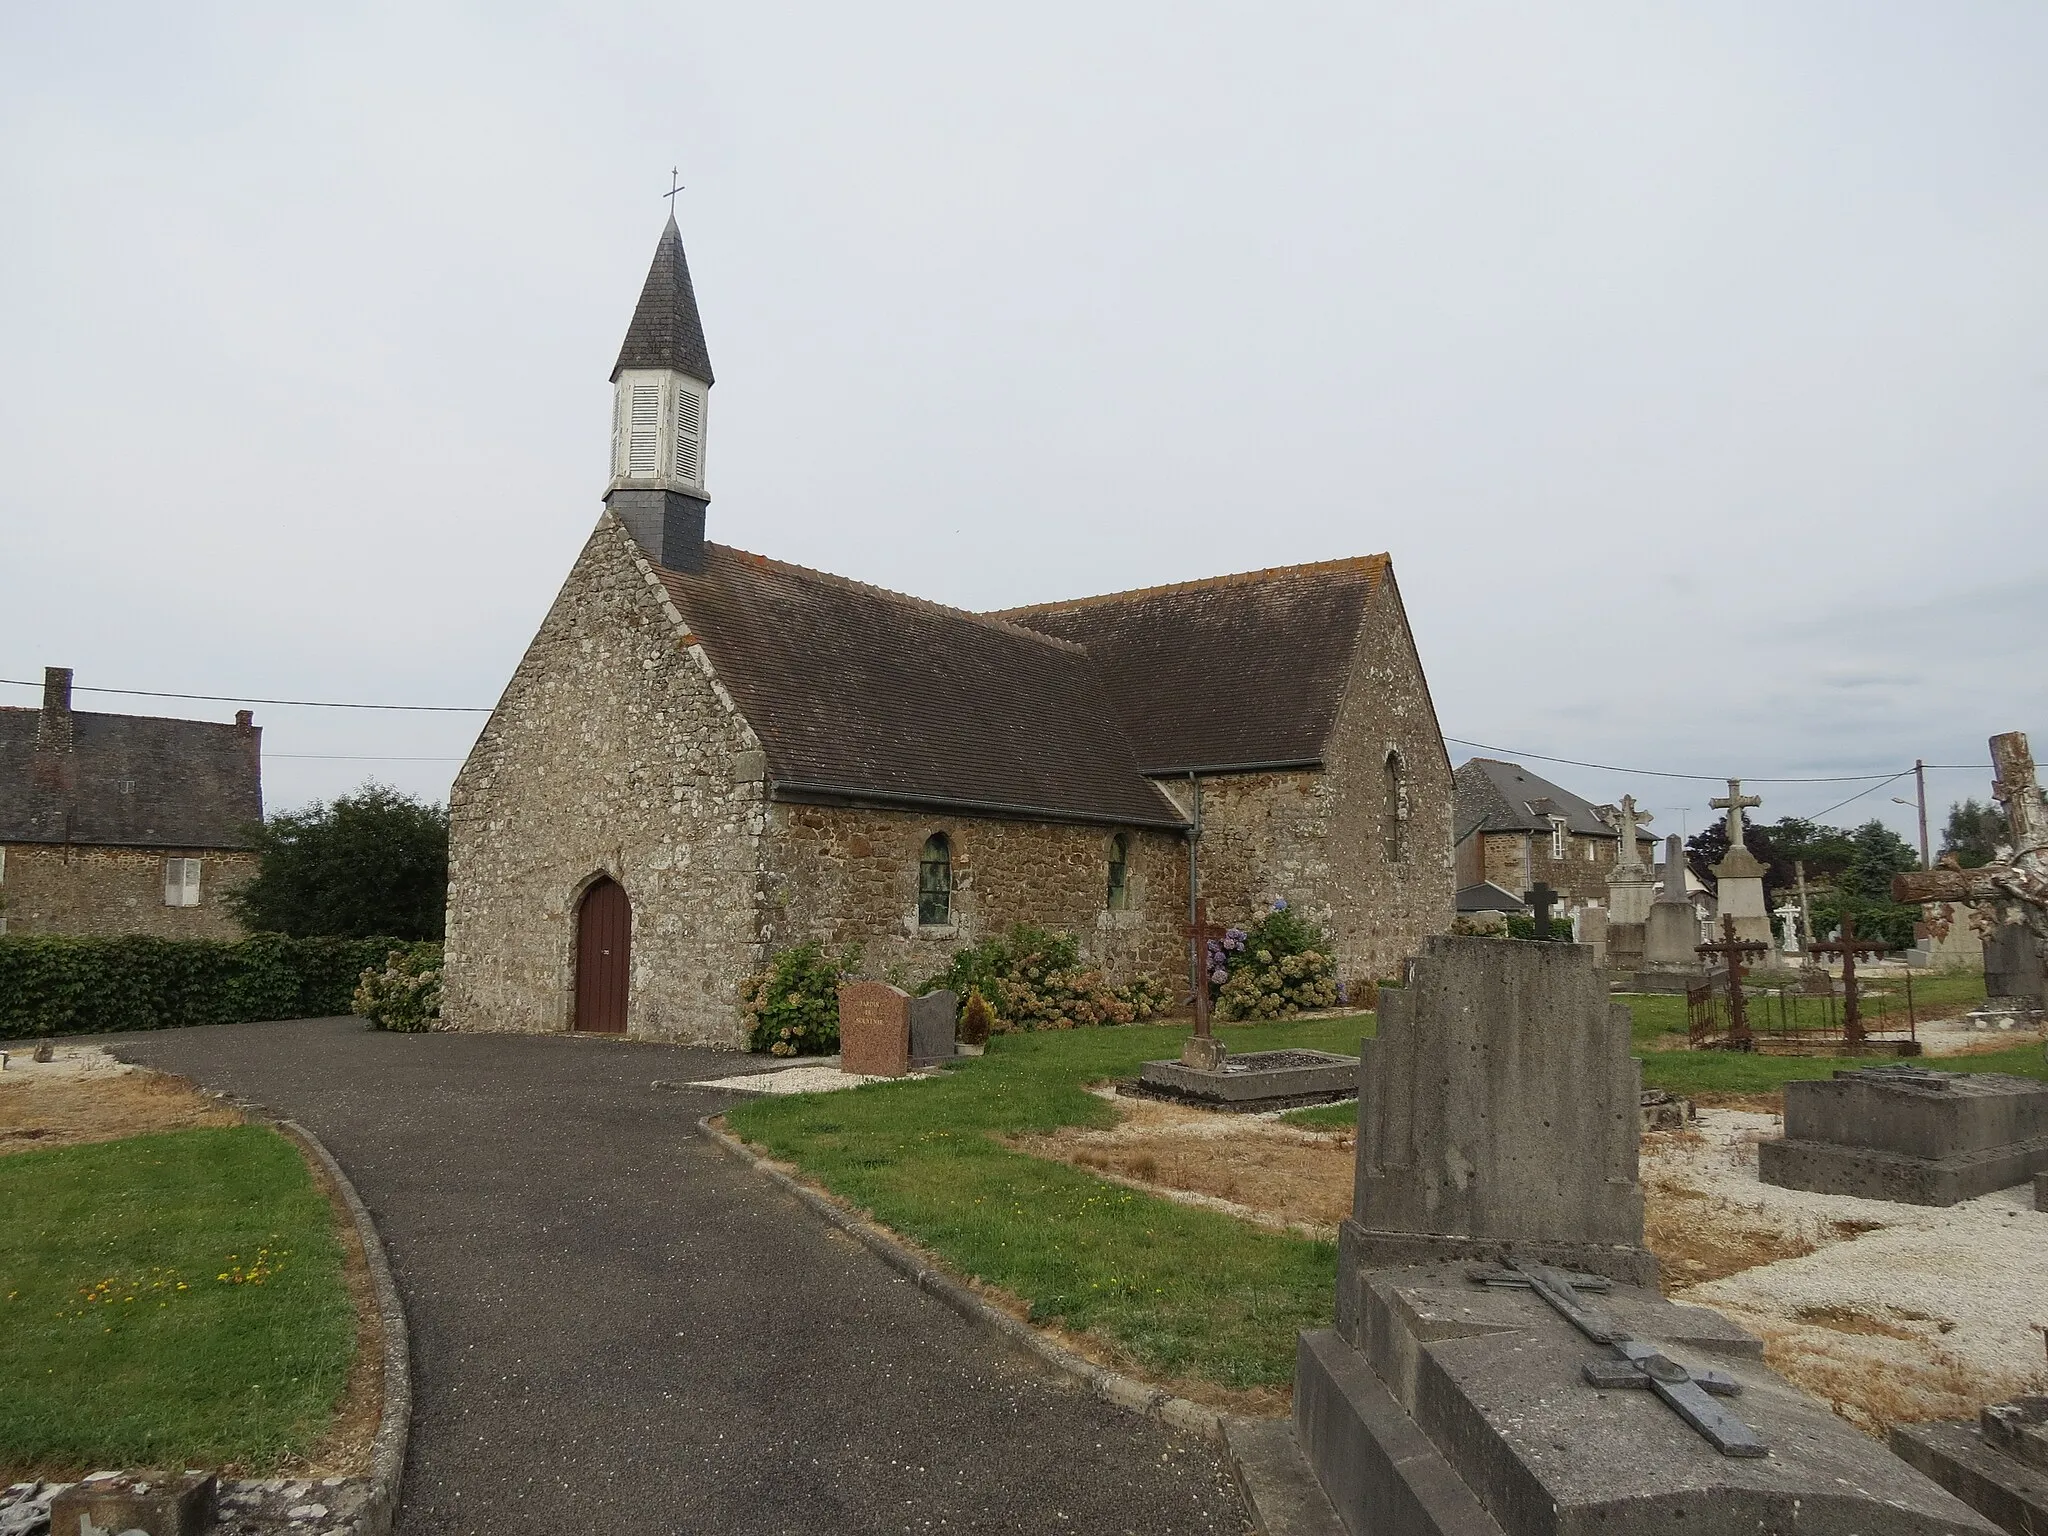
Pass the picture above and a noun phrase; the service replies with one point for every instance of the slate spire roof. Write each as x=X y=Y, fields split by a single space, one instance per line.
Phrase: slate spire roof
x=666 y=331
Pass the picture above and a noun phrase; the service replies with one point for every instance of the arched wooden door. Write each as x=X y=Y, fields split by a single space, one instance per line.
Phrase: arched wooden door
x=604 y=939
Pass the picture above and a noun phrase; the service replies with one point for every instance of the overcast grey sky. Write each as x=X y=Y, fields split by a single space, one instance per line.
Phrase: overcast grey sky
x=1691 y=361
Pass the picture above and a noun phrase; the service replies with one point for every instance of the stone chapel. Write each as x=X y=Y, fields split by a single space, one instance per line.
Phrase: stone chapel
x=707 y=755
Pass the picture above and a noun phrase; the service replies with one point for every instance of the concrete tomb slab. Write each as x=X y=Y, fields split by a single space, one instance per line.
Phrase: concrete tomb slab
x=934 y=1027
x=1909 y=1134
x=874 y=1029
x=1998 y=1465
x=1502 y=1363
x=1255 y=1080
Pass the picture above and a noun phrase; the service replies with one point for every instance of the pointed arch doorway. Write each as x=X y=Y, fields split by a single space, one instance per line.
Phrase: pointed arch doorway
x=604 y=940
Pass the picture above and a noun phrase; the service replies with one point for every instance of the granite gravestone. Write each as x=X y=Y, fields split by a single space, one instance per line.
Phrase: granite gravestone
x=1671 y=962
x=1739 y=877
x=934 y=1027
x=874 y=1029
x=1630 y=889
x=1502 y=1364
x=1998 y=1465
x=1909 y=1134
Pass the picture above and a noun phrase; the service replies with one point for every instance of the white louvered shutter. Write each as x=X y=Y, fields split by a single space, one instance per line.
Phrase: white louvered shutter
x=618 y=426
x=689 y=434
x=192 y=867
x=174 y=882
x=643 y=453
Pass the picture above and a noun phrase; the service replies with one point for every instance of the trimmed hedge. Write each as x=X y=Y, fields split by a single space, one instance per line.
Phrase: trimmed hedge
x=56 y=985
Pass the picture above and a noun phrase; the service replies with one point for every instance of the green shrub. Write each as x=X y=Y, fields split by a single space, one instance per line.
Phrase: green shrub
x=792 y=1008
x=1032 y=978
x=60 y=985
x=406 y=995
x=1274 y=969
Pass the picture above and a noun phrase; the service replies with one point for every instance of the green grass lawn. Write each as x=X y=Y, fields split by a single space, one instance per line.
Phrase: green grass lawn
x=172 y=1300
x=1325 y=1117
x=1186 y=1293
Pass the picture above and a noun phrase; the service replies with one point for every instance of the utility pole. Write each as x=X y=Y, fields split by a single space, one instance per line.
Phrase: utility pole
x=1920 y=783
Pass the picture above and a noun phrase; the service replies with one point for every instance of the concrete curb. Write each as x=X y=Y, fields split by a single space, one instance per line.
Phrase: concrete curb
x=1112 y=1387
x=394 y=1424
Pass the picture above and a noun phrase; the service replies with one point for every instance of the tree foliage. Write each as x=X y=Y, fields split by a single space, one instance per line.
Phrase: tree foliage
x=1849 y=872
x=374 y=862
x=1975 y=833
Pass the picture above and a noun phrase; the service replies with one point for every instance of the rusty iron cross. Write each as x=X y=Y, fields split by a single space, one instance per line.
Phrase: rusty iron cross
x=1739 y=1037
x=1848 y=946
x=1200 y=932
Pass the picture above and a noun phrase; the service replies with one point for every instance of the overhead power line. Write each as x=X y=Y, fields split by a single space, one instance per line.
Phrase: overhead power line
x=1706 y=778
x=231 y=698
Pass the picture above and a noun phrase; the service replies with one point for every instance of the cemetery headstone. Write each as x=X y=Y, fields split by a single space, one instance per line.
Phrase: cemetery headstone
x=1788 y=929
x=1909 y=1134
x=1739 y=877
x=934 y=1027
x=874 y=1029
x=1630 y=888
x=1502 y=1361
x=1671 y=932
x=1998 y=1465
x=1541 y=898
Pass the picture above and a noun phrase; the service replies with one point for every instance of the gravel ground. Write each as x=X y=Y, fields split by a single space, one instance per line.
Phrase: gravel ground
x=1900 y=1312
x=617 y=1328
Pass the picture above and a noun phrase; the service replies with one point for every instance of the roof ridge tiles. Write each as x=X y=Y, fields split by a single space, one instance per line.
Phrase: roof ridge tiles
x=1372 y=567
x=989 y=620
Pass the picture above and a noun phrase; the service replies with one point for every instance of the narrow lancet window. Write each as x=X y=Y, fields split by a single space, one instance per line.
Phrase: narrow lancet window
x=935 y=882
x=1394 y=815
x=1119 y=873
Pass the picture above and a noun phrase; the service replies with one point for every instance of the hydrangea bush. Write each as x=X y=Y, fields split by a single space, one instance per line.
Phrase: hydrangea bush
x=792 y=1008
x=1031 y=978
x=1274 y=969
x=406 y=995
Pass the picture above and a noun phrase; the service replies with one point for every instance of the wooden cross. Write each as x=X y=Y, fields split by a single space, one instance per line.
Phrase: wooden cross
x=1734 y=802
x=1848 y=946
x=1540 y=897
x=1208 y=1055
x=1739 y=1037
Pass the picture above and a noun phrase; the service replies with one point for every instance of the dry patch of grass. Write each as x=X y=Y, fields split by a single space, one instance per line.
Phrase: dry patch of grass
x=1877 y=1370
x=68 y=1111
x=1258 y=1170
x=1755 y=1103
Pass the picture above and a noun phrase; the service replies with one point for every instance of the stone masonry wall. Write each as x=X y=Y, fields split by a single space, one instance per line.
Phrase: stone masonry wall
x=1321 y=839
x=849 y=876
x=90 y=890
x=614 y=751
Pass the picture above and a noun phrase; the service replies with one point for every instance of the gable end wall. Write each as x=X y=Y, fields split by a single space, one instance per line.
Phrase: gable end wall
x=613 y=751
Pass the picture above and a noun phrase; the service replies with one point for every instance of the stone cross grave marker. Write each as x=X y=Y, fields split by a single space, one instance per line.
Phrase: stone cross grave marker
x=874 y=1029
x=1625 y=818
x=1734 y=803
x=1788 y=914
x=1540 y=897
x=1848 y=946
x=1739 y=1037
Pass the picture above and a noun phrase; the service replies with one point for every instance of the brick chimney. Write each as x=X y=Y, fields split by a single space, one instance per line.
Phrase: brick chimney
x=53 y=729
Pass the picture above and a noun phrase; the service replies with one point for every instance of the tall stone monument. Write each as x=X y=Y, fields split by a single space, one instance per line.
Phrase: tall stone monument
x=1671 y=961
x=1502 y=1364
x=1629 y=890
x=1739 y=878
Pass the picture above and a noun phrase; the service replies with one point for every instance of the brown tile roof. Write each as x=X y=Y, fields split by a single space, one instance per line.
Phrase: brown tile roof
x=1234 y=671
x=135 y=781
x=871 y=696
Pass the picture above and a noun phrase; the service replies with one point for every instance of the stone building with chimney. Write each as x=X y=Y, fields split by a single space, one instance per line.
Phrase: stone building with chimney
x=124 y=824
x=707 y=755
x=1515 y=827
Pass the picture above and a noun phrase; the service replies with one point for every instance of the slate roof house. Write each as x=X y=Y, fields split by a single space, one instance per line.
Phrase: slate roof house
x=1515 y=828
x=115 y=824
x=707 y=756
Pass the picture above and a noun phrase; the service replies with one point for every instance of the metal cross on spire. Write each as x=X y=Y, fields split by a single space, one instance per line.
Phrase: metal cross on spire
x=674 y=186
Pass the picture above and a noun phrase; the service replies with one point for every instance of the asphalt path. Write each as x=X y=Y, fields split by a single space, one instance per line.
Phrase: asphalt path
x=616 y=1328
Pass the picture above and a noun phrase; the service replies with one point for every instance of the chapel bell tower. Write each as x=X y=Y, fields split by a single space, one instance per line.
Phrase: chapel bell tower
x=661 y=387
